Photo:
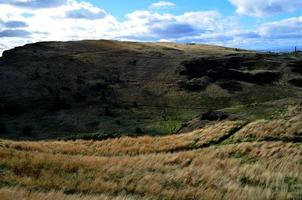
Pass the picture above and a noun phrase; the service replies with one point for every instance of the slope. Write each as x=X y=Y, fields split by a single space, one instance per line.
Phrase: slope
x=111 y=88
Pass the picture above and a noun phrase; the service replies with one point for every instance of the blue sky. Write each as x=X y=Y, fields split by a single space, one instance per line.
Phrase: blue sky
x=114 y=6
x=251 y=24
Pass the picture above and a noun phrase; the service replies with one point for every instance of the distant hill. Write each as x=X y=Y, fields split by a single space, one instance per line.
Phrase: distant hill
x=110 y=88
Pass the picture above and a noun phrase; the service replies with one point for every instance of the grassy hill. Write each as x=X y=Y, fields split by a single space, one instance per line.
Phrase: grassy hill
x=109 y=88
x=261 y=159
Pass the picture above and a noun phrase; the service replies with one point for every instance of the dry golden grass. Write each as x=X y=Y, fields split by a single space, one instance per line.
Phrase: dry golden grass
x=129 y=145
x=204 y=164
x=20 y=194
x=158 y=46
x=288 y=130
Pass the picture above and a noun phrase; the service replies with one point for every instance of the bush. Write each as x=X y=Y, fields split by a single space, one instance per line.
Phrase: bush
x=139 y=131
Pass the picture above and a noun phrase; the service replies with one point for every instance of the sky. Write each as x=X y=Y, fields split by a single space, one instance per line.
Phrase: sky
x=249 y=24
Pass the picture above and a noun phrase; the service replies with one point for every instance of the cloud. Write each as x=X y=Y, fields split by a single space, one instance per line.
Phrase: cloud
x=85 y=11
x=174 y=30
x=146 y=25
x=14 y=33
x=34 y=3
x=285 y=29
x=71 y=21
x=162 y=5
x=76 y=21
x=260 y=8
x=14 y=24
x=84 y=14
x=283 y=34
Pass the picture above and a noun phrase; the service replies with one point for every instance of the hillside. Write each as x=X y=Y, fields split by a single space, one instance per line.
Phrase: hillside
x=124 y=120
x=109 y=88
x=234 y=160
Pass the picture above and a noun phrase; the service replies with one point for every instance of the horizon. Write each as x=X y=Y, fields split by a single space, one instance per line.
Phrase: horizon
x=275 y=50
x=254 y=25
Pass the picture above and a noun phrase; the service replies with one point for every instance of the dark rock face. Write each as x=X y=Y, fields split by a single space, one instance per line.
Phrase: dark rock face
x=214 y=116
x=227 y=71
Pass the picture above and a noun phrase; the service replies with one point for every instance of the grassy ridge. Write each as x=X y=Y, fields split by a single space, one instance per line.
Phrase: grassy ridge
x=215 y=162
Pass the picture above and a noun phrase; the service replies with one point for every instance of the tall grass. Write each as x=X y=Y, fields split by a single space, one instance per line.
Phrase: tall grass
x=171 y=167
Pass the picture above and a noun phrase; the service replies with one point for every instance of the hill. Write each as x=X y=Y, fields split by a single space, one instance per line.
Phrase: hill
x=261 y=159
x=124 y=120
x=103 y=89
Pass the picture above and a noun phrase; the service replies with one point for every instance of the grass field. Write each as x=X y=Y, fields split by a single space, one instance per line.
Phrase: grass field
x=261 y=159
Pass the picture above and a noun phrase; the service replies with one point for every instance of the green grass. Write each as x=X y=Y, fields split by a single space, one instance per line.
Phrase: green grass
x=244 y=158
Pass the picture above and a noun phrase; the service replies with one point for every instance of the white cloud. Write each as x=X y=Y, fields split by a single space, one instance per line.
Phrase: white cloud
x=281 y=34
x=285 y=29
x=85 y=10
x=162 y=5
x=70 y=21
x=146 y=25
x=261 y=8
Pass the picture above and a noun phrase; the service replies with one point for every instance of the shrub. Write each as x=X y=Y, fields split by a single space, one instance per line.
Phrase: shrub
x=139 y=131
